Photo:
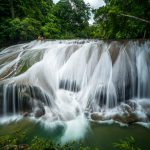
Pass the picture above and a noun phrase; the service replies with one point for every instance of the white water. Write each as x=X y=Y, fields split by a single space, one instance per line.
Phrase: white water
x=76 y=77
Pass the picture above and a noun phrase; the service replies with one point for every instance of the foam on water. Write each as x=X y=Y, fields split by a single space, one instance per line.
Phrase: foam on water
x=144 y=124
x=110 y=122
x=76 y=129
x=9 y=119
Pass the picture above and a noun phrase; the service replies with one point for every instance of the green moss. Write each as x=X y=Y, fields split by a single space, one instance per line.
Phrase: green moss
x=23 y=69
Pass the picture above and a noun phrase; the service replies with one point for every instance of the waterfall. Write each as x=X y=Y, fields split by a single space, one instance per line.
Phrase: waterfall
x=61 y=80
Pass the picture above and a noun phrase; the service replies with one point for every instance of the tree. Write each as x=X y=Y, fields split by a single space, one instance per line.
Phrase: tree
x=22 y=20
x=51 y=29
x=12 y=8
x=73 y=15
x=124 y=19
x=35 y=9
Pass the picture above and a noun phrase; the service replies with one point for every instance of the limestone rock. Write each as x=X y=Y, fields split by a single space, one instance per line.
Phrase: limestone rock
x=96 y=117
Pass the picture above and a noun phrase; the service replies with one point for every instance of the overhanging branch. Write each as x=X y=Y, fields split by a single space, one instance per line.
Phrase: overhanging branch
x=137 y=18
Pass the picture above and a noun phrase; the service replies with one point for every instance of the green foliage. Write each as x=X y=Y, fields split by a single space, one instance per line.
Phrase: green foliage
x=25 y=29
x=51 y=29
x=20 y=29
x=94 y=31
x=121 y=19
x=13 y=142
x=73 y=14
x=43 y=144
x=18 y=137
x=35 y=9
x=26 y=20
x=127 y=144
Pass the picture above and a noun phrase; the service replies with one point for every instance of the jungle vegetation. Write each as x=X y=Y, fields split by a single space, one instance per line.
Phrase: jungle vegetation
x=22 y=21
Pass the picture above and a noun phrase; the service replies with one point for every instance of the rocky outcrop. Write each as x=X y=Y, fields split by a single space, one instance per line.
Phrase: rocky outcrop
x=38 y=109
x=127 y=119
x=23 y=99
x=97 y=117
x=124 y=114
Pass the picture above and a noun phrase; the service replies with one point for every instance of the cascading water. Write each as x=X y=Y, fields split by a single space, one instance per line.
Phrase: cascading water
x=62 y=80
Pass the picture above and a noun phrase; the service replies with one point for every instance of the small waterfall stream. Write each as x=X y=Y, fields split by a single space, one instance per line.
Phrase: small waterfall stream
x=62 y=80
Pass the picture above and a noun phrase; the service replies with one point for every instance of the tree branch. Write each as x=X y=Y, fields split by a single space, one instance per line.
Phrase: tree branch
x=137 y=18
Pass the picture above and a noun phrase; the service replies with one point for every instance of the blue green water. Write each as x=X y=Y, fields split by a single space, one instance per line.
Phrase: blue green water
x=101 y=136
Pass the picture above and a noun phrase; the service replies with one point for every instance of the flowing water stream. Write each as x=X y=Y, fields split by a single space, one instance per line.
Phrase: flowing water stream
x=74 y=82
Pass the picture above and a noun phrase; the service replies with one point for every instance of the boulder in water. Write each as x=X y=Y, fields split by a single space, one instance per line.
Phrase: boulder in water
x=26 y=114
x=39 y=111
x=97 y=117
x=127 y=119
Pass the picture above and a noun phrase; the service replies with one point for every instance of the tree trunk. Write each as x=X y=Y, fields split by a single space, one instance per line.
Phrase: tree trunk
x=12 y=8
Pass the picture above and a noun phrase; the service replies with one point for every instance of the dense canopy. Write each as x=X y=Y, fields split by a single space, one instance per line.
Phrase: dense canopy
x=123 y=19
x=26 y=20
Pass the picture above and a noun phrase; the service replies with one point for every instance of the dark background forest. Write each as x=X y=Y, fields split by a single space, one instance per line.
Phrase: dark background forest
x=25 y=20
